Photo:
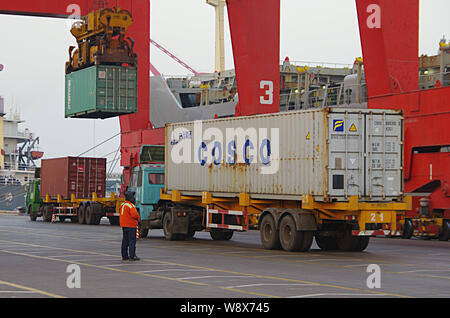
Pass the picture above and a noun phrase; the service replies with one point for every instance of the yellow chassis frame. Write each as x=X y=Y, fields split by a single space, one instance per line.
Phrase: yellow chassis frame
x=75 y=202
x=353 y=209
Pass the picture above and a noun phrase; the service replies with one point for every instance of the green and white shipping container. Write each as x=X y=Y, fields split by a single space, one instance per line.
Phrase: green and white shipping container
x=101 y=92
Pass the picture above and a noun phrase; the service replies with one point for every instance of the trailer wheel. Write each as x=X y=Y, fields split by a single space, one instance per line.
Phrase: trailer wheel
x=291 y=240
x=362 y=243
x=81 y=214
x=92 y=218
x=308 y=238
x=221 y=235
x=326 y=243
x=444 y=233
x=47 y=214
x=270 y=237
x=350 y=243
x=408 y=229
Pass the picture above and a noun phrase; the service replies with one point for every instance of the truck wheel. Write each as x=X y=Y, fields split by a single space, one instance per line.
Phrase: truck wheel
x=81 y=214
x=350 y=243
x=270 y=237
x=444 y=233
x=221 y=235
x=291 y=240
x=167 y=227
x=308 y=238
x=47 y=214
x=326 y=243
x=408 y=229
x=362 y=243
x=33 y=215
x=91 y=217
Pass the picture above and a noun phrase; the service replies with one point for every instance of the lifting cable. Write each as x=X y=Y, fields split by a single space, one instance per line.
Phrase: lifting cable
x=104 y=142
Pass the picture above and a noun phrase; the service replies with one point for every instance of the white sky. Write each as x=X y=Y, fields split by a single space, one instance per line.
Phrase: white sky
x=34 y=52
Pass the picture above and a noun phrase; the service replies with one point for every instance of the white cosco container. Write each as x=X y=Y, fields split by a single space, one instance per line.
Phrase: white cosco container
x=331 y=154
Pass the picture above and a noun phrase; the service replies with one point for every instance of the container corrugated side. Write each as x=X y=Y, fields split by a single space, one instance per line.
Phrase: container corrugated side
x=316 y=152
x=73 y=175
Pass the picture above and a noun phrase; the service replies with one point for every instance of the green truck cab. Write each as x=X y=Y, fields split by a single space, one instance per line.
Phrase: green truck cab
x=33 y=199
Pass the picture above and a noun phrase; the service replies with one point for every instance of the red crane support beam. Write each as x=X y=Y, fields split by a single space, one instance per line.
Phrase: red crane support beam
x=255 y=34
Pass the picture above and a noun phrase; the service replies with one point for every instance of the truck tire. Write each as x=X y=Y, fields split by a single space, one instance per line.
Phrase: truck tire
x=444 y=233
x=349 y=243
x=291 y=240
x=270 y=237
x=362 y=243
x=92 y=217
x=47 y=214
x=167 y=227
x=81 y=214
x=221 y=235
x=326 y=243
x=308 y=238
x=408 y=229
x=33 y=215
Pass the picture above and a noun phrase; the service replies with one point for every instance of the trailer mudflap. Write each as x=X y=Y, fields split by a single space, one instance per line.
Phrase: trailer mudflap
x=180 y=221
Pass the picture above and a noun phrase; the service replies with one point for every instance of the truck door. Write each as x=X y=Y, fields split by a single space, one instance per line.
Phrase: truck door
x=153 y=181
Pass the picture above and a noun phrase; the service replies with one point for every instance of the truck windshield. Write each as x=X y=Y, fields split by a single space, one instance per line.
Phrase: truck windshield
x=156 y=178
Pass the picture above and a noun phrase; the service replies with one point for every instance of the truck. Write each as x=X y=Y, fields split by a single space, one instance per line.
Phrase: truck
x=72 y=188
x=335 y=175
x=147 y=180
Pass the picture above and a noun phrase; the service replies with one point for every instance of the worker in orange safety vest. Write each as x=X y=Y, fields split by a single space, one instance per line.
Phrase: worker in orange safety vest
x=129 y=219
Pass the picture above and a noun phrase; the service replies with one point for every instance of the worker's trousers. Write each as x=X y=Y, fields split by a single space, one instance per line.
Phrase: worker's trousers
x=129 y=242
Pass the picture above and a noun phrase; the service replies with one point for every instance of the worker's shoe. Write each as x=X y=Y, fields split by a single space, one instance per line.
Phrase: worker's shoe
x=134 y=259
x=125 y=258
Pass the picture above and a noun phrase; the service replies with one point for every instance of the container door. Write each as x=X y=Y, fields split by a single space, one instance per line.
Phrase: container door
x=117 y=89
x=384 y=154
x=346 y=154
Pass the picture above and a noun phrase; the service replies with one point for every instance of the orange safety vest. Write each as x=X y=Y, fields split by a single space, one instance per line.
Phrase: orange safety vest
x=129 y=216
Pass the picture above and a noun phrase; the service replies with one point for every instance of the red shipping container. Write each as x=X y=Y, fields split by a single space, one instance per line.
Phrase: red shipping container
x=73 y=175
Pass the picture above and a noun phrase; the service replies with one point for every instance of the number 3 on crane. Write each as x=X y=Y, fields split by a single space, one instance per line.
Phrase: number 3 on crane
x=267 y=99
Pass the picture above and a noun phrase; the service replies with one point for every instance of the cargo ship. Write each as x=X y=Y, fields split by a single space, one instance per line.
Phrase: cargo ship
x=18 y=160
x=303 y=85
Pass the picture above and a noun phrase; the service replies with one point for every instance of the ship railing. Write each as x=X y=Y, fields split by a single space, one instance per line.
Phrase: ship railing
x=320 y=64
x=328 y=95
x=429 y=80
